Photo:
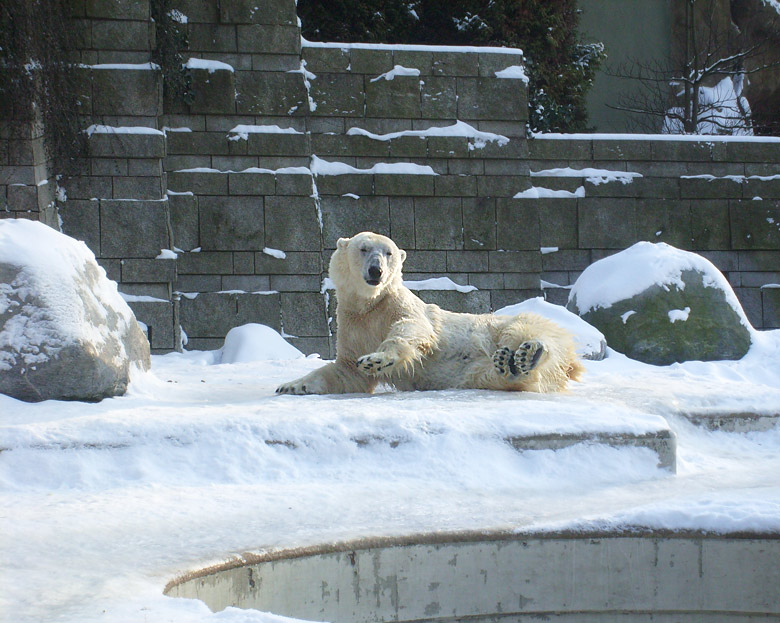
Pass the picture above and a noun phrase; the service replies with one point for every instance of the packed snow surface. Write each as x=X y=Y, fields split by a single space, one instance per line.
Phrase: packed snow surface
x=103 y=504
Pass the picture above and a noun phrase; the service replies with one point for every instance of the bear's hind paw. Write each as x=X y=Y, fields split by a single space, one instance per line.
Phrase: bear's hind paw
x=519 y=362
x=375 y=363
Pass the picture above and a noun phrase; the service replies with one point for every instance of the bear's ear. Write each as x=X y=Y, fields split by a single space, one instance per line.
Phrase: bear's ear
x=342 y=243
x=403 y=255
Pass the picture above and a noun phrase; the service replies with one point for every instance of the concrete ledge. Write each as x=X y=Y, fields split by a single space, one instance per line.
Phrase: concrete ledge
x=602 y=576
x=733 y=422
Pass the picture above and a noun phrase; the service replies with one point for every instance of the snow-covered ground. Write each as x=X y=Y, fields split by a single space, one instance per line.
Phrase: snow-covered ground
x=103 y=504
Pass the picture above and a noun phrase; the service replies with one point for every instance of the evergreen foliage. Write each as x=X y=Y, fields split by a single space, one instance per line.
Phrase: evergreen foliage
x=36 y=76
x=560 y=68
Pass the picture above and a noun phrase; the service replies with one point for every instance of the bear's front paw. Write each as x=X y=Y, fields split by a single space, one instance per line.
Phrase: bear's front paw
x=375 y=363
x=298 y=388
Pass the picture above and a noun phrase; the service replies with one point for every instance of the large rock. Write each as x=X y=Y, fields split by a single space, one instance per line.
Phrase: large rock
x=65 y=332
x=661 y=305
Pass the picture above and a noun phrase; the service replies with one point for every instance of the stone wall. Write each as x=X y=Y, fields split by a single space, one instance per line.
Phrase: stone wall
x=286 y=147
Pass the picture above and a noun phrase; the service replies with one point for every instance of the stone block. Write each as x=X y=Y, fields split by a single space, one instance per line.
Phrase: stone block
x=117 y=9
x=358 y=184
x=681 y=151
x=467 y=261
x=479 y=223
x=438 y=223
x=205 y=263
x=199 y=182
x=158 y=318
x=133 y=228
x=148 y=271
x=198 y=283
x=665 y=221
x=417 y=59
x=517 y=225
x=606 y=223
x=749 y=151
x=448 y=147
x=755 y=225
x=370 y=61
x=121 y=35
x=212 y=37
x=257 y=12
x=246 y=283
x=562 y=150
x=764 y=188
x=487 y=281
x=306 y=263
x=474 y=302
x=515 y=261
x=566 y=260
x=750 y=299
x=181 y=163
x=264 y=38
x=243 y=262
x=278 y=144
x=133 y=92
x=438 y=97
x=300 y=184
x=126 y=187
x=425 y=262
x=557 y=223
x=271 y=93
x=234 y=163
x=455 y=186
x=402 y=221
x=326 y=60
x=521 y=281
x=344 y=217
x=495 y=99
x=759 y=260
x=213 y=91
x=455 y=64
x=291 y=224
x=199 y=11
x=704 y=188
x=338 y=94
x=399 y=97
x=304 y=314
x=295 y=283
x=770 y=301
x=22 y=198
x=83 y=187
x=114 y=145
x=251 y=183
x=81 y=220
x=231 y=223
x=143 y=167
x=214 y=314
x=492 y=62
x=184 y=220
x=501 y=185
x=622 y=150
x=412 y=147
x=211 y=143
x=403 y=184
x=710 y=226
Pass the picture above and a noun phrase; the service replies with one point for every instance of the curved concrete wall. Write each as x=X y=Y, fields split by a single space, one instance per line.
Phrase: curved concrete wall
x=681 y=578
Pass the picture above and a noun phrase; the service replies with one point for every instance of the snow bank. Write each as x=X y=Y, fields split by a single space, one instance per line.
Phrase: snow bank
x=208 y=65
x=438 y=283
x=255 y=342
x=459 y=128
x=324 y=167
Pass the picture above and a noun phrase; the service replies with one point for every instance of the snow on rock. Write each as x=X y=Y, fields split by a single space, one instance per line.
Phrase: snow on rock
x=438 y=283
x=324 y=167
x=65 y=332
x=209 y=65
x=398 y=70
x=514 y=72
x=255 y=342
x=539 y=192
x=242 y=132
x=590 y=342
x=459 y=128
x=660 y=305
x=277 y=253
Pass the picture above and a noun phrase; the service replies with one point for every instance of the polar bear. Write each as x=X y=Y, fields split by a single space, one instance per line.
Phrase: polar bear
x=387 y=334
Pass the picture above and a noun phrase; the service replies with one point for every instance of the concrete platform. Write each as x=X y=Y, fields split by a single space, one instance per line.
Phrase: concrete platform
x=571 y=577
x=744 y=422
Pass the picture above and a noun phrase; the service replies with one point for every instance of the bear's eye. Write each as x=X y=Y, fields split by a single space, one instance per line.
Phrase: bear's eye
x=389 y=253
x=363 y=250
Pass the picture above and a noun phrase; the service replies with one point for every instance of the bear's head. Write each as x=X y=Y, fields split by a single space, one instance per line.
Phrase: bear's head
x=366 y=264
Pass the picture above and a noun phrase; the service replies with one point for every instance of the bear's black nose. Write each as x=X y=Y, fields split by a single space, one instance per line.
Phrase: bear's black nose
x=374 y=272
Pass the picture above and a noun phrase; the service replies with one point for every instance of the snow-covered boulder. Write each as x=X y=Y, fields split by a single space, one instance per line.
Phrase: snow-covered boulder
x=661 y=305
x=65 y=332
x=590 y=342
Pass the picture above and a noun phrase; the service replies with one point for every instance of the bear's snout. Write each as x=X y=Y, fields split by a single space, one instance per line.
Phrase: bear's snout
x=374 y=275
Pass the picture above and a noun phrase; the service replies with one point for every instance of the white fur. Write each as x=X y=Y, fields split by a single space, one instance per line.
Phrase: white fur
x=387 y=333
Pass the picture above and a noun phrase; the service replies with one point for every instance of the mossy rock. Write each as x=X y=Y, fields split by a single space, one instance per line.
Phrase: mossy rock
x=692 y=314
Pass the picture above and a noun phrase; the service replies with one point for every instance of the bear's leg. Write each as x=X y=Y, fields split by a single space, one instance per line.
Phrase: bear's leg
x=521 y=361
x=333 y=378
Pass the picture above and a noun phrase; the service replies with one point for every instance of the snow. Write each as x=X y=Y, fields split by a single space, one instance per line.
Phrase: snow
x=676 y=315
x=209 y=65
x=514 y=72
x=540 y=192
x=438 y=283
x=254 y=342
x=698 y=138
x=460 y=49
x=325 y=167
x=459 y=128
x=243 y=131
x=626 y=274
x=594 y=176
x=397 y=70
x=124 y=66
x=105 y=503
x=277 y=253
x=108 y=129
x=167 y=254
